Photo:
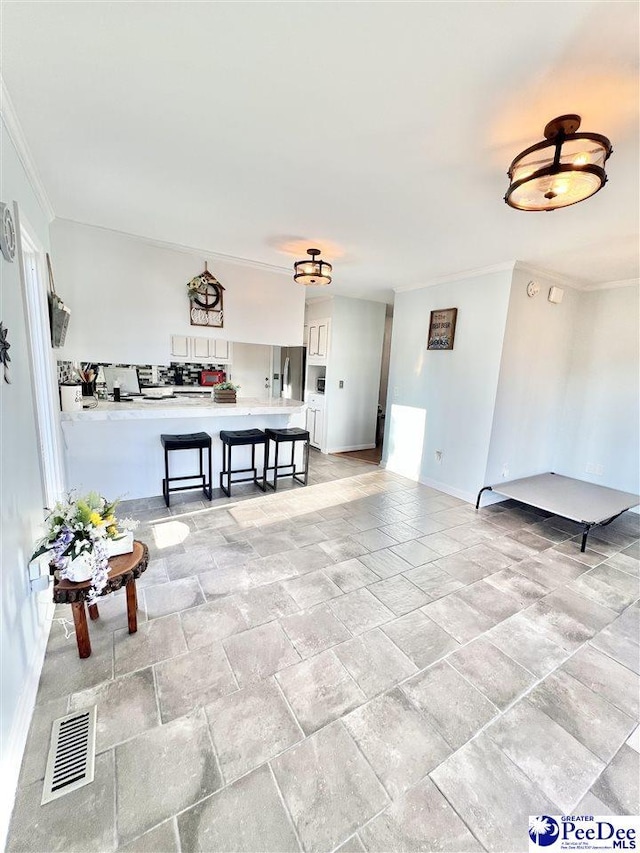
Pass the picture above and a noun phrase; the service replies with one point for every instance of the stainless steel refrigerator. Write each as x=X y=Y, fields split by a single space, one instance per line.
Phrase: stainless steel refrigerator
x=292 y=367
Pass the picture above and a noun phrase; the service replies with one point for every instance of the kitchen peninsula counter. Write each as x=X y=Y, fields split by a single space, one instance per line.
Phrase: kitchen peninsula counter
x=115 y=448
x=183 y=407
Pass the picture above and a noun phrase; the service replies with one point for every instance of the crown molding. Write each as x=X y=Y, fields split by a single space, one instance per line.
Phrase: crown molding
x=209 y=254
x=556 y=278
x=613 y=285
x=507 y=266
x=16 y=134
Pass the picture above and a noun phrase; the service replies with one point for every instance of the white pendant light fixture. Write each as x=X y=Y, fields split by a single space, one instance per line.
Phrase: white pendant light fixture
x=312 y=272
x=566 y=168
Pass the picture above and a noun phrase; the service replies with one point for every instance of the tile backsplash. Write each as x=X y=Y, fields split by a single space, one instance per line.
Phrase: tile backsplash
x=166 y=375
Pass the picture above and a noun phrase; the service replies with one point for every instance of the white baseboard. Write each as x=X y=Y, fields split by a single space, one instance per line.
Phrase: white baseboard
x=470 y=497
x=20 y=729
x=351 y=447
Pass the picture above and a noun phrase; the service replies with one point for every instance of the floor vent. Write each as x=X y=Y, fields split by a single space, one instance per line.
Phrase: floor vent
x=70 y=764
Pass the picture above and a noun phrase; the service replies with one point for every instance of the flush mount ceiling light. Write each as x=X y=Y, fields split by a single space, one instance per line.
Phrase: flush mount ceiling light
x=314 y=271
x=563 y=170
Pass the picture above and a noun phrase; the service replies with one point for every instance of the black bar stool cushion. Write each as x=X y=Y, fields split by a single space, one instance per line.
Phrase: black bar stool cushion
x=288 y=434
x=186 y=441
x=242 y=436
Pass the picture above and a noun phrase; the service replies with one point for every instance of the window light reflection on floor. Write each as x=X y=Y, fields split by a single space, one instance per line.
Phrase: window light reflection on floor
x=170 y=533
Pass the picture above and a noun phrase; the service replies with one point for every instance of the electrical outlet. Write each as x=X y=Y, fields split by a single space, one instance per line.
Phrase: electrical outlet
x=438 y=455
x=592 y=468
x=505 y=471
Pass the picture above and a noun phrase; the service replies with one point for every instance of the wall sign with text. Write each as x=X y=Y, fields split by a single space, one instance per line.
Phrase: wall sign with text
x=442 y=328
x=206 y=296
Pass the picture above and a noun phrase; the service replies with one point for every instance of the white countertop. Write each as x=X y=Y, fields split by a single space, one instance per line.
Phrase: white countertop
x=191 y=407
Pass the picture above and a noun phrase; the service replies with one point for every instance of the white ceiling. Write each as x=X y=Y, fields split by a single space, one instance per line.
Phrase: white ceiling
x=379 y=131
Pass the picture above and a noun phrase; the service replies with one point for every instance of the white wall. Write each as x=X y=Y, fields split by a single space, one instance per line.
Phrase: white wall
x=534 y=373
x=600 y=420
x=22 y=626
x=355 y=352
x=317 y=307
x=445 y=400
x=128 y=296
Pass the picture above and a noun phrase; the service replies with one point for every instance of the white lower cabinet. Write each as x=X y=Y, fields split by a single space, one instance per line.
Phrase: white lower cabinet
x=315 y=420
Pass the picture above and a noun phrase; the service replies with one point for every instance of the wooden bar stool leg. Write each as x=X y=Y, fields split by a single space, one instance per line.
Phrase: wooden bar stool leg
x=132 y=606
x=82 y=629
x=93 y=612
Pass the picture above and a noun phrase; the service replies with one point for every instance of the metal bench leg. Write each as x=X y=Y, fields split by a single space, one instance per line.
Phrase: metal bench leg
x=275 y=470
x=165 y=482
x=585 y=534
x=485 y=489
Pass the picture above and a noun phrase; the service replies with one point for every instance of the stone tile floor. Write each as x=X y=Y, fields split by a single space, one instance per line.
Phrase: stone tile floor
x=364 y=664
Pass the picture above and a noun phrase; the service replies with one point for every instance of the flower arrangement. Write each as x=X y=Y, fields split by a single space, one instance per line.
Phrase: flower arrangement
x=195 y=286
x=81 y=527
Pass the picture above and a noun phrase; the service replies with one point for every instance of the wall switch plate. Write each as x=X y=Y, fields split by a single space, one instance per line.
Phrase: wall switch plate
x=438 y=456
x=341 y=384
x=555 y=295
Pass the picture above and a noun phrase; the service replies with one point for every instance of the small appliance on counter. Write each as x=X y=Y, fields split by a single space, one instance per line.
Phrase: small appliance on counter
x=212 y=377
x=320 y=384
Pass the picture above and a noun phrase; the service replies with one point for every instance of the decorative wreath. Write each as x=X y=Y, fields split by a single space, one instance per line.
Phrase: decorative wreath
x=208 y=286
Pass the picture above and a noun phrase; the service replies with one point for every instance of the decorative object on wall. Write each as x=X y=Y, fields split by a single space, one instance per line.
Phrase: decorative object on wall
x=312 y=272
x=59 y=314
x=5 y=358
x=7 y=233
x=442 y=329
x=566 y=168
x=533 y=289
x=555 y=295
x=206 y=300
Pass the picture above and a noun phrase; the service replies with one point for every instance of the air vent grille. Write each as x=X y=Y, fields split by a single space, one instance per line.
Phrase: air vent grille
x=70 y=764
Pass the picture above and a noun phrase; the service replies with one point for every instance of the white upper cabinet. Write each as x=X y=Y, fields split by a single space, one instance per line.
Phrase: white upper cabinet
x=318 y=347
x=221 y=349
x=201 y=347
x=180 y=346
x=213 y=350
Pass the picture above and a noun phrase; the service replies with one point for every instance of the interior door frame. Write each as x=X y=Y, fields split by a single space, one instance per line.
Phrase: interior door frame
x=44 y=380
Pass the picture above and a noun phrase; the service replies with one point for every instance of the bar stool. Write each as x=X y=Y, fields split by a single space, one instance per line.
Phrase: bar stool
x=241 y=438
x=292 y=435
x=188 y=441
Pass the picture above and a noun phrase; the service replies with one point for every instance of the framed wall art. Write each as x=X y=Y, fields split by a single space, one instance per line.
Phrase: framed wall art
x=442 y=329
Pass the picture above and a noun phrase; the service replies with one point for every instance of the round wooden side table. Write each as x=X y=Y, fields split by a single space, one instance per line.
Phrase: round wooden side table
x=123 y=571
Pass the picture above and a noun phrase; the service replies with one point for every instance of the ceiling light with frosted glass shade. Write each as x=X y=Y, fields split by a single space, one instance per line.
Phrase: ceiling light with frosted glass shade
x=567 y=167
x=313 y=271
